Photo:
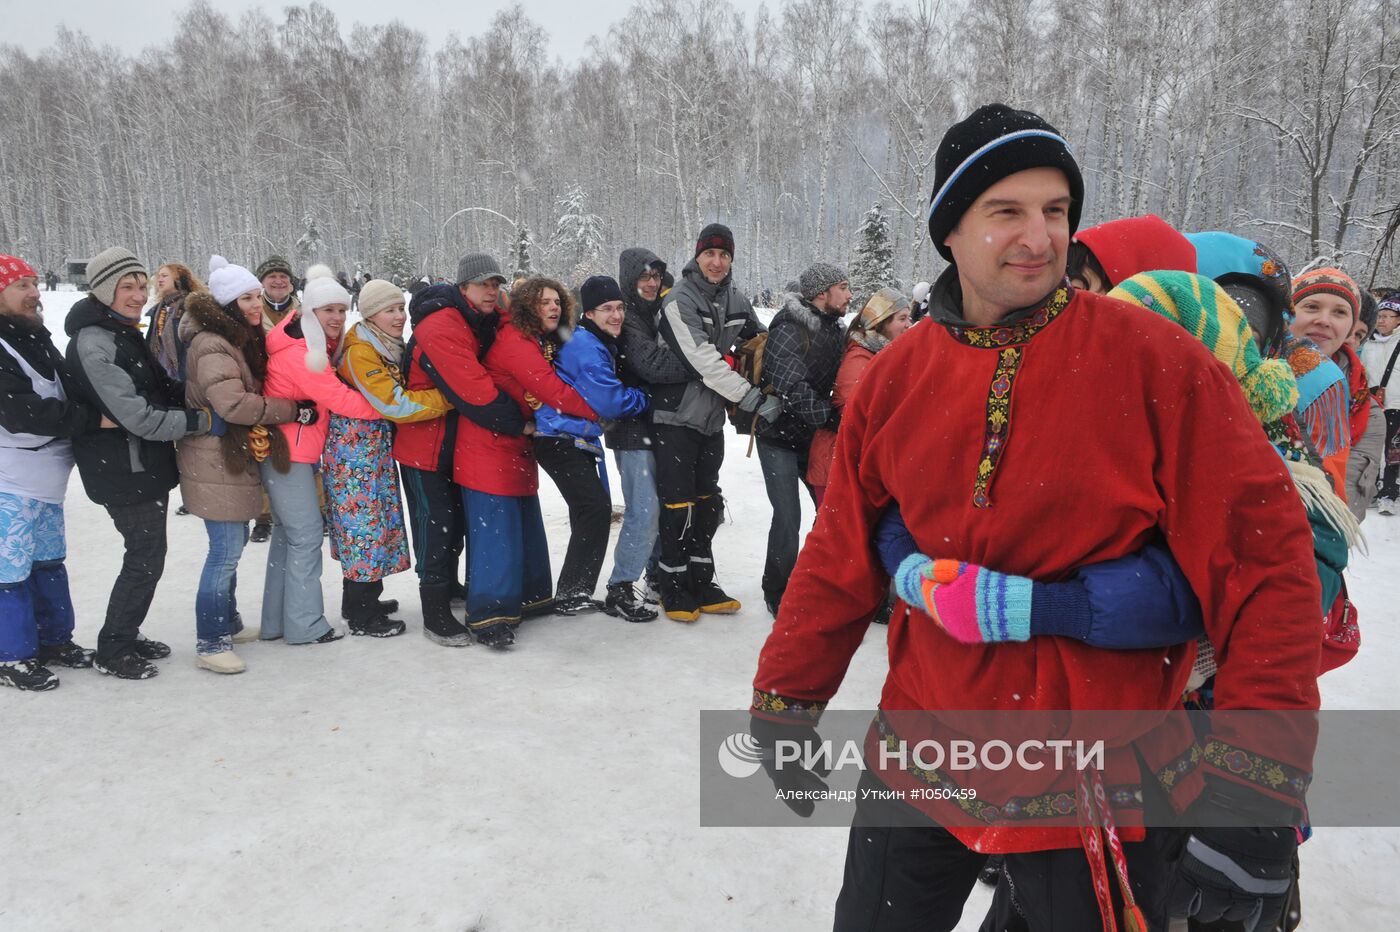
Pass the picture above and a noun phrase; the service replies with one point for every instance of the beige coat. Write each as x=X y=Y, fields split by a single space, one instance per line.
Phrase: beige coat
x=219 y=478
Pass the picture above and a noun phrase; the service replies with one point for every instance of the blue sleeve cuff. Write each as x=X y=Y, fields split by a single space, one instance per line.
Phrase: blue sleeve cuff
x=893 y=540
x=1061 y=609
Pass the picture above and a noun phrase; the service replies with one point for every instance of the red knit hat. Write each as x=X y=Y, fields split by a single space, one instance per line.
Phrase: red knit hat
x=1328 y=281
x=1135 y=245
x=12 y=269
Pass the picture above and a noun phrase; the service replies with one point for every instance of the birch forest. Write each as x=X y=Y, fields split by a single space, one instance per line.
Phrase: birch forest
x=374 y=146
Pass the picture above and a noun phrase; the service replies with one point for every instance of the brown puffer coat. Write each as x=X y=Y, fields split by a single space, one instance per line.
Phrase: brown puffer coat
x=219 y=474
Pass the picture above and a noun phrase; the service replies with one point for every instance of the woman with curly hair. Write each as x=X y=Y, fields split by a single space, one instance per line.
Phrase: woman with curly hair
x=174 y=283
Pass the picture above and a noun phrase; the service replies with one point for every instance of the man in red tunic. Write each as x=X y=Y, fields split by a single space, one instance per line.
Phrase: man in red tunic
x=1034 y=428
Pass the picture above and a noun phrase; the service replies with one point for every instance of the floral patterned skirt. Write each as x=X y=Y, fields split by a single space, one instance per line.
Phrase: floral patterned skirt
x=365 y=511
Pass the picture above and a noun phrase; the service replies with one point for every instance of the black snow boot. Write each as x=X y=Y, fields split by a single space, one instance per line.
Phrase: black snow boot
x=624 y=601
x=364 y=613
x=709 y=512
x=439 y=624
x=498 y=635
x=673 y=570
x=386 y=606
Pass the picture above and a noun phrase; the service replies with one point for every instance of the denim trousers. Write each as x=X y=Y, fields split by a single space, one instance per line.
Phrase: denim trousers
x=216 y=602
x=638 y=545
x=293 y=605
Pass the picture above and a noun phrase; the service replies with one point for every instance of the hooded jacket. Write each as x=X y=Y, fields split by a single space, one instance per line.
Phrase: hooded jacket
x=644 y=361
x=111 y=368
x=450 y=339
x=1133 y=245
x=219 y=478
x=288 y=377
x=800 y=361
x=1376 y=354
x=701 y=322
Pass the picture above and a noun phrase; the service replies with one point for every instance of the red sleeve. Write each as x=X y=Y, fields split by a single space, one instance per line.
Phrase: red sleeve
x=451 y=346
x=1237 y=527
x=326 y=389
x=834 y=589
x=852 y=368
x=523 y=360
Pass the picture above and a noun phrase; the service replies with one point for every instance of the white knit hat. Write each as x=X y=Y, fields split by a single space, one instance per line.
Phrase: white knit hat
x=228 y=281
x=320 y=289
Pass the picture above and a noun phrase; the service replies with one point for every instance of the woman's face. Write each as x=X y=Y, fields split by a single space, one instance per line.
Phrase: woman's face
x=894 y=325
x=392 y=319
x=1323 y=318
x=165 y=281
x=332 y=318
x=548 y=309
x=250 y=306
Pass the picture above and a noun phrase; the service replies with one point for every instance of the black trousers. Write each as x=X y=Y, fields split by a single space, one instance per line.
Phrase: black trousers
x=918 y=875
x=1390 y=476
x=437 y=526
x=687 y=463
x=142 y=527
x=575 y=472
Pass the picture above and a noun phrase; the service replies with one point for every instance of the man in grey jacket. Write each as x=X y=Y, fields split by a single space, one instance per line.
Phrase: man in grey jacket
x=702 y=319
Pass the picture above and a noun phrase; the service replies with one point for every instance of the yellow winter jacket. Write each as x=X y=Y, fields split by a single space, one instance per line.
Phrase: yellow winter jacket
x=368 y=365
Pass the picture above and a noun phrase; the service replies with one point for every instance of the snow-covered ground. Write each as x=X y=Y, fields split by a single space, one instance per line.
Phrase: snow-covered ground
x=399 y=785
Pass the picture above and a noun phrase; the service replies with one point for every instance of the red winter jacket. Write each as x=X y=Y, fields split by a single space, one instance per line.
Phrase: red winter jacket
x=443 y=333
x=500 y=463
x=288 y=377
x=1034 y=449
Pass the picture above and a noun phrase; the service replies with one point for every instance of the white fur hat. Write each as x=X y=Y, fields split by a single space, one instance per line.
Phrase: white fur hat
x=320 y=289
x=228 y=281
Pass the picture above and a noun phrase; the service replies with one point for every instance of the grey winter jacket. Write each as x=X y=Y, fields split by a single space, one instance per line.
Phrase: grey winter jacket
x=643 y=360
x=700 y=322
x=800 y=361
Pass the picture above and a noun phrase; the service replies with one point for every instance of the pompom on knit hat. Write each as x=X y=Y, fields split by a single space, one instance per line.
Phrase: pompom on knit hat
x=715 y=236
x=228 y=281
x=882 y=305
x=1205 y=311
x=272 y=264
x=321 y=289
x=1328 y=281
x=377 y=296
x=991 y=144
x=107 y=268
x=1132 y=245
x=818 y=277
x=12 y=269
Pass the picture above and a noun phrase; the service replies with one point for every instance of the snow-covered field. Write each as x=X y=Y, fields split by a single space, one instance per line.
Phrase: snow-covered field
x=399 y=785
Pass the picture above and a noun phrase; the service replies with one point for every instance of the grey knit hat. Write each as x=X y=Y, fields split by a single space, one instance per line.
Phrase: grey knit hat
x=818 y=278
x=107 y=268
x=477 y=267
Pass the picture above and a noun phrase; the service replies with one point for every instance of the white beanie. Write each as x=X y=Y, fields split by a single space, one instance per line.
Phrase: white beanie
x=228 y=281
x=320 y=289
x=378 y=295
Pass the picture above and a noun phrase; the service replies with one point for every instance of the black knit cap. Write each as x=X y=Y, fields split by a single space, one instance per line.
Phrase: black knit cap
x=991 y=144
x=598 y=289
x=715 y=236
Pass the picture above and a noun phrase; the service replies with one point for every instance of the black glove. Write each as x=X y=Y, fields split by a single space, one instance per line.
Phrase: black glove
x=1236 y=874
x=793 y=776
x=306 y=413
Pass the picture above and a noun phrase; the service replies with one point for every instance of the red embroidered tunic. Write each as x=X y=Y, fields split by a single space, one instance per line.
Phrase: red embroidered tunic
x=1070 y=438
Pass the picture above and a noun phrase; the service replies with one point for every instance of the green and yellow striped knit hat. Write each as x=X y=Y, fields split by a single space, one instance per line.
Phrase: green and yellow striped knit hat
x=1200 y=306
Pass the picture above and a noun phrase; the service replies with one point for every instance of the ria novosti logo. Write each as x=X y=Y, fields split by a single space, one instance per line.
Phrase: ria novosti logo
x=740 y=755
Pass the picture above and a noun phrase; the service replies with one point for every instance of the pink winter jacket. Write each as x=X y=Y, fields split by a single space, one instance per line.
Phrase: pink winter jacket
x=288 y=377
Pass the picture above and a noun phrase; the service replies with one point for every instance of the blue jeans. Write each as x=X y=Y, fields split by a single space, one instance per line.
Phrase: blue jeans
x=508 y=559
x=784 y=474
x=216 y=603
x=292 y=601
x=638 y=544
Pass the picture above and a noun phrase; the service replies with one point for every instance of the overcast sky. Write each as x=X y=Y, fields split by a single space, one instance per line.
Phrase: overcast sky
x=135 y=24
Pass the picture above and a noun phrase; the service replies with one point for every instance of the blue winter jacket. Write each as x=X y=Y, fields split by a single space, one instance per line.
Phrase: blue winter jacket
x=587 y=363
x=1140 y=600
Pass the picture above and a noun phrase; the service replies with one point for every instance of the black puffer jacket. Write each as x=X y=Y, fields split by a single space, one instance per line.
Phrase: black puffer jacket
x=643 y=360
x=22 y=411
x=800 y=362
x=111 y=368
